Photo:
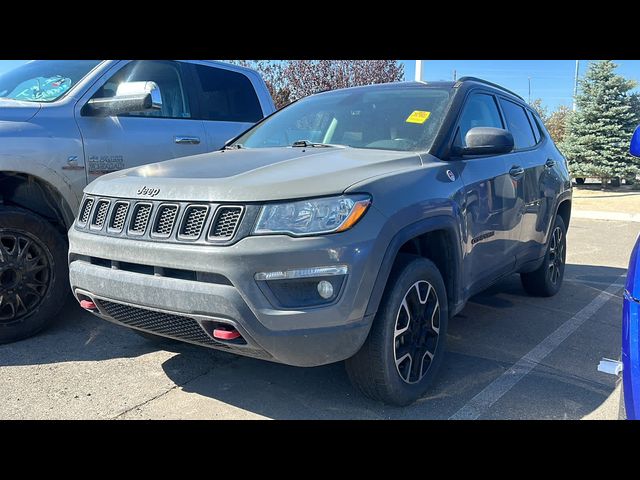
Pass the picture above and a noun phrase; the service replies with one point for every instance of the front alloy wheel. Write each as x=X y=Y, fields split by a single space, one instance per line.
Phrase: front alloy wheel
x=24 y=275
x=416 y=332
x=405 y=347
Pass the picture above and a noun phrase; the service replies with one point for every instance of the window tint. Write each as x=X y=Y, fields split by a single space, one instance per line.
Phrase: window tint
x=518 y=124
x=479 y=111
x=167 y=76
x=535 y=125
x=226 y=96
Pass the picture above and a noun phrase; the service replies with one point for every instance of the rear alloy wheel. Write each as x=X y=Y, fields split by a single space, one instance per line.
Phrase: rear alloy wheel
x=406 y=344
x=34 y=278
x=547 y=279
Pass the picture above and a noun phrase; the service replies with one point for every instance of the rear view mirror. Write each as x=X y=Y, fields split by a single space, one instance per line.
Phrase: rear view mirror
x=130 y=97
x=635 y=143
x=486 y=141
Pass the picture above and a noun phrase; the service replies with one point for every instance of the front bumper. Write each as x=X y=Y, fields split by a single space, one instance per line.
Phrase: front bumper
x=631 y=356
x=302 y=337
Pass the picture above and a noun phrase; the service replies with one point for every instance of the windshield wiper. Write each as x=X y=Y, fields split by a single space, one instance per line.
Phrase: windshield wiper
x=307 y=143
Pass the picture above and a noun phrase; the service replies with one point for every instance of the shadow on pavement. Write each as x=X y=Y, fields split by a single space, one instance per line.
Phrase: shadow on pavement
x=485 y=340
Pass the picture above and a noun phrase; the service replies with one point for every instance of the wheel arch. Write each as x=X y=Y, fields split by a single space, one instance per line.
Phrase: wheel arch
x=37 y=195
x=424 y=238
x=564 y=210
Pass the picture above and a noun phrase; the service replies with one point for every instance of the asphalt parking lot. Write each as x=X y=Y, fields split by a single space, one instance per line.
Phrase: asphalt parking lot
x=510 y=356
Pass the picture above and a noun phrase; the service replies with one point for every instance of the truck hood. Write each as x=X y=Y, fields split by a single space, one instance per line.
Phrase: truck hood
x=250 y=175
x=17 y=111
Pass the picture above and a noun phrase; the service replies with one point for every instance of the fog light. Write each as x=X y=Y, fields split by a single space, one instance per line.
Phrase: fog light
x=325 y=289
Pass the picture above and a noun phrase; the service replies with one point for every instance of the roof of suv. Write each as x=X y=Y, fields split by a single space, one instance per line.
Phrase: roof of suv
x=438 y=84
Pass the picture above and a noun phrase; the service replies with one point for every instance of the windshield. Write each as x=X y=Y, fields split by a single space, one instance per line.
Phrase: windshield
x=43 y=80
x=384 y=118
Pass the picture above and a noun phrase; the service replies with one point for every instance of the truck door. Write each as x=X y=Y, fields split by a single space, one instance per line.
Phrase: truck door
x=138 y=138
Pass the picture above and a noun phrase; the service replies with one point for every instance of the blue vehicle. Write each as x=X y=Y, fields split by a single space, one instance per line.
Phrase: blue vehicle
x=630 y=404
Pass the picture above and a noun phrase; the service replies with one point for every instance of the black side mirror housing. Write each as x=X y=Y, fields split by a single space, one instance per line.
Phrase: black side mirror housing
x=486 y=141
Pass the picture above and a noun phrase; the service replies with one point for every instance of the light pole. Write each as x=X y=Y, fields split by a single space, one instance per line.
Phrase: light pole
x=418 y=76
x=575 y=85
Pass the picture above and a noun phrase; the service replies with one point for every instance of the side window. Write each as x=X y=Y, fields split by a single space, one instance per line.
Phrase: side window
x=518 y=124
x=537 y=131
x=226 y=96
x=167 y=75
x=479 y=111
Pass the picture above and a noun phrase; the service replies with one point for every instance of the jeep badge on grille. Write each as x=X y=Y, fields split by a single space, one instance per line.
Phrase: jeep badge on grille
x=148 y=192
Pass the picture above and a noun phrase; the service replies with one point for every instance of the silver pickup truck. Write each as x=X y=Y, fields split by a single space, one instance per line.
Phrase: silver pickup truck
x=63 y=123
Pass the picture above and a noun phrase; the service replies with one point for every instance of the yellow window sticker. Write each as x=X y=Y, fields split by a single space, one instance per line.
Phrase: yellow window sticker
x=418 y=116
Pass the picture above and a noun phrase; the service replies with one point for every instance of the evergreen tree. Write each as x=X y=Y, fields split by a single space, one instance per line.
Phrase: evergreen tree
x=598 y=133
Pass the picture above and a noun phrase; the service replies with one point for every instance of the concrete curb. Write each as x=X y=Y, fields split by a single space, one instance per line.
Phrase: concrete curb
x=599 y=215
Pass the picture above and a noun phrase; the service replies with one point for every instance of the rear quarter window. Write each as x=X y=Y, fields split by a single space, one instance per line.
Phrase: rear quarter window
x=226 y=96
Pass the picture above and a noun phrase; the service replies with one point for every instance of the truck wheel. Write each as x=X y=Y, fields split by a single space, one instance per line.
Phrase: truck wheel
x=547 y=279
x=579 y=181
x=406 y=344
x=34 y=279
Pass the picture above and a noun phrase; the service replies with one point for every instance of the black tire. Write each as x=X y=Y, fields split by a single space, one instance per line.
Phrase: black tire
x=629 y=181
x=547 y=279
x=373 y=369
x=155 y=338
x=34 y=277
x=615 y=182
x=579 y=181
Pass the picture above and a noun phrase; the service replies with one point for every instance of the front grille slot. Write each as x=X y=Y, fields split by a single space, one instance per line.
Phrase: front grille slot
x=118 y=216
x=176 y=326
x=193 y=221
x=165 y=220
x=100 y=214
x=225 y=223
x=140 y=218
x=86 y=210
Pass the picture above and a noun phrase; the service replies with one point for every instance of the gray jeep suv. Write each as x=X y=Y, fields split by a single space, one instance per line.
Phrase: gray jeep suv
x=350 y=225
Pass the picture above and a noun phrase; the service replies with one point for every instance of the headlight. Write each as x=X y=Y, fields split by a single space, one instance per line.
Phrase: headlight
x=312 y=217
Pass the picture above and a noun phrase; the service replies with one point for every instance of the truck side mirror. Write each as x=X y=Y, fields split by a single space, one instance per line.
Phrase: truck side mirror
x=130 y=97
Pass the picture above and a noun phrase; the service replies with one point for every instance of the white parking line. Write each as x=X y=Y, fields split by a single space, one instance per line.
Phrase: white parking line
x=479 y=404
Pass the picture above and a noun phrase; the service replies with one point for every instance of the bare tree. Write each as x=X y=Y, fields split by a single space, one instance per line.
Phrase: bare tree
x=305 y=77
x=289 y=80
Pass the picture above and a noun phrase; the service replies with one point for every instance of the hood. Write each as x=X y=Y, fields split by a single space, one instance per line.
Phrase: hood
x=17 y=111
x=259 y=174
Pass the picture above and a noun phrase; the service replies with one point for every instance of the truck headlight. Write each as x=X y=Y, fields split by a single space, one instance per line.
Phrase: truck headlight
x=312 y=217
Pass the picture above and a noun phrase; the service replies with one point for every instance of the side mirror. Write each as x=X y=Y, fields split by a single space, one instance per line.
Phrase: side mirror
x=486 y=141
x=634 y=149
x=129 y=97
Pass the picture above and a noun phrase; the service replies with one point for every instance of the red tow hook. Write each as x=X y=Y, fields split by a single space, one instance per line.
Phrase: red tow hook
x=88 y=305
x=223 y=334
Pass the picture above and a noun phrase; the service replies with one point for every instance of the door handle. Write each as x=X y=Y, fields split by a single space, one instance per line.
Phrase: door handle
x=516 y=171
x=550 y=163
x=182 y=140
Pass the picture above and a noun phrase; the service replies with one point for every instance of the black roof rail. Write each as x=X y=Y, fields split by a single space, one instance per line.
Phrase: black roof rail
x=480 y=80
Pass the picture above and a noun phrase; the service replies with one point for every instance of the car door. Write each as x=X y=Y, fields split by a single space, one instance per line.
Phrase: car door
x=529 y=155
x=227 y=102
x=138 y=138
x=491 y=203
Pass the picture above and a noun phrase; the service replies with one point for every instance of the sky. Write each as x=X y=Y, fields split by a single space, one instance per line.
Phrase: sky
x=551 y=80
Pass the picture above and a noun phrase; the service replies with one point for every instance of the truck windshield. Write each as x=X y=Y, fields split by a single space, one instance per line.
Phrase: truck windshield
x=400 y=118
x=43 y=80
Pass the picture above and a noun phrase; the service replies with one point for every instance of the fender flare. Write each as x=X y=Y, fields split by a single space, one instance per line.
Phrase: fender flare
x=440 y=222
